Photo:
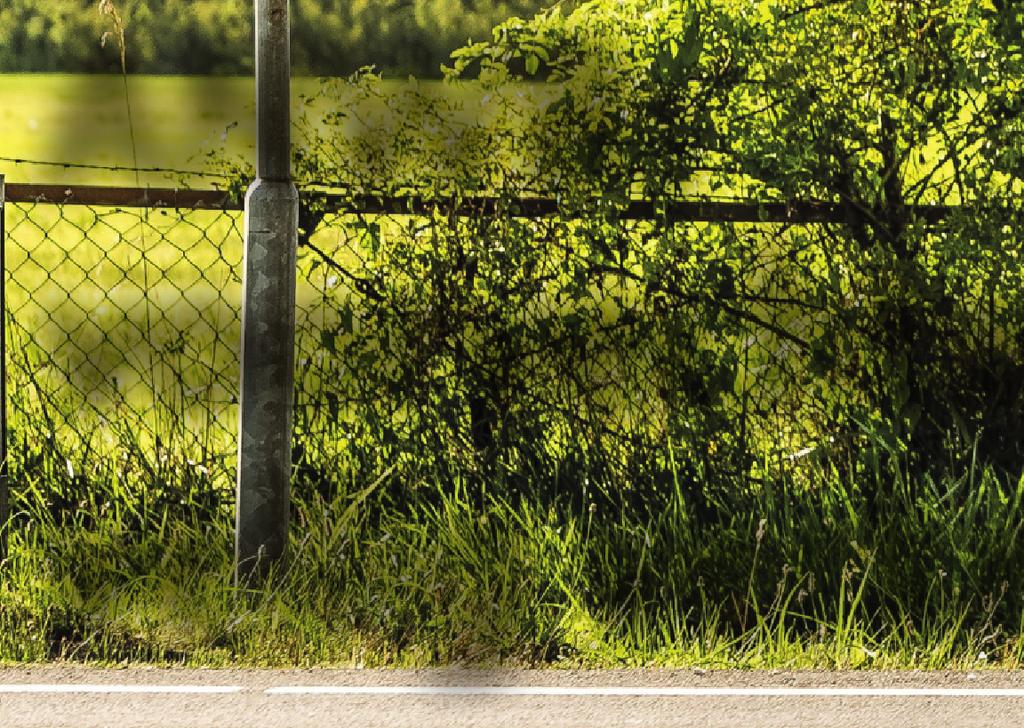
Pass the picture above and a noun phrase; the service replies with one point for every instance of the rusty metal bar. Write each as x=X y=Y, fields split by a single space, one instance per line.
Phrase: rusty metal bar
x=152 y=197
x=796 y=212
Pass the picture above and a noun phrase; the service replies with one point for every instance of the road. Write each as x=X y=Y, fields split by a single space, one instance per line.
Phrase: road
x=59 y=696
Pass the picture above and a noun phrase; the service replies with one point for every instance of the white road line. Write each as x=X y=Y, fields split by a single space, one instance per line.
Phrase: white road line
x=653 y=692
x=521 y=691
x=67 y=688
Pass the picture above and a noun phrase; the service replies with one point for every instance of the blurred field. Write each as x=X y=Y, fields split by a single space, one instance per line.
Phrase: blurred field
x=177 y=120
x=83 y=119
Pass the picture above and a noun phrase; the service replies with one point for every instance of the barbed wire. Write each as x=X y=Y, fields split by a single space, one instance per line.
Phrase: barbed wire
x=111 y=167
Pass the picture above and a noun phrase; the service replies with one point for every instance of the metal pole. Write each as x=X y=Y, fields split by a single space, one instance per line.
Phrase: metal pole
x=268 y=312
x=5 y=507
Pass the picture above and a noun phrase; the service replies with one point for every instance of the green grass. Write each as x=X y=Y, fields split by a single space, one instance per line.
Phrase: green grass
x=782 y=578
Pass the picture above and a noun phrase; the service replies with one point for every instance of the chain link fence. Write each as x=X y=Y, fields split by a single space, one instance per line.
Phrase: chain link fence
x=438 y=338
x=445 y=339
x=122 y=331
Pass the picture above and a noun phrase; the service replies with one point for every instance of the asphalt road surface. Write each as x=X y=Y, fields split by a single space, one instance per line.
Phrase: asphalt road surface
x=58 y=696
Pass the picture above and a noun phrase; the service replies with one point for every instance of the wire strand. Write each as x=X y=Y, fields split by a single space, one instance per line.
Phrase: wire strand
x=112 y=167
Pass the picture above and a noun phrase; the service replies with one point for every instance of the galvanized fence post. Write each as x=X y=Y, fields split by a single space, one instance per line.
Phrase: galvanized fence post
x=268 y=312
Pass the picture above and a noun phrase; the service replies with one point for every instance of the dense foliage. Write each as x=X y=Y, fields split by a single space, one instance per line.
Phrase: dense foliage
x=602 y=352
x=329 y=37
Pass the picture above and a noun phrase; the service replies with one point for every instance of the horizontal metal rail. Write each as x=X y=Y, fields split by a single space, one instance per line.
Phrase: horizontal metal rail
x=122 y=196
x=797 y=212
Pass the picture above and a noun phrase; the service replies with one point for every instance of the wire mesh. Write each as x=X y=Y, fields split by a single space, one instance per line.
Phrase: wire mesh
x=446 y=342
x=123 y=329
x=441 y=334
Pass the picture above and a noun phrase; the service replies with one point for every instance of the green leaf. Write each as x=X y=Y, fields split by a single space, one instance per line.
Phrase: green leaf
x=332 y=404
x=347 y=324
x=692 y=45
